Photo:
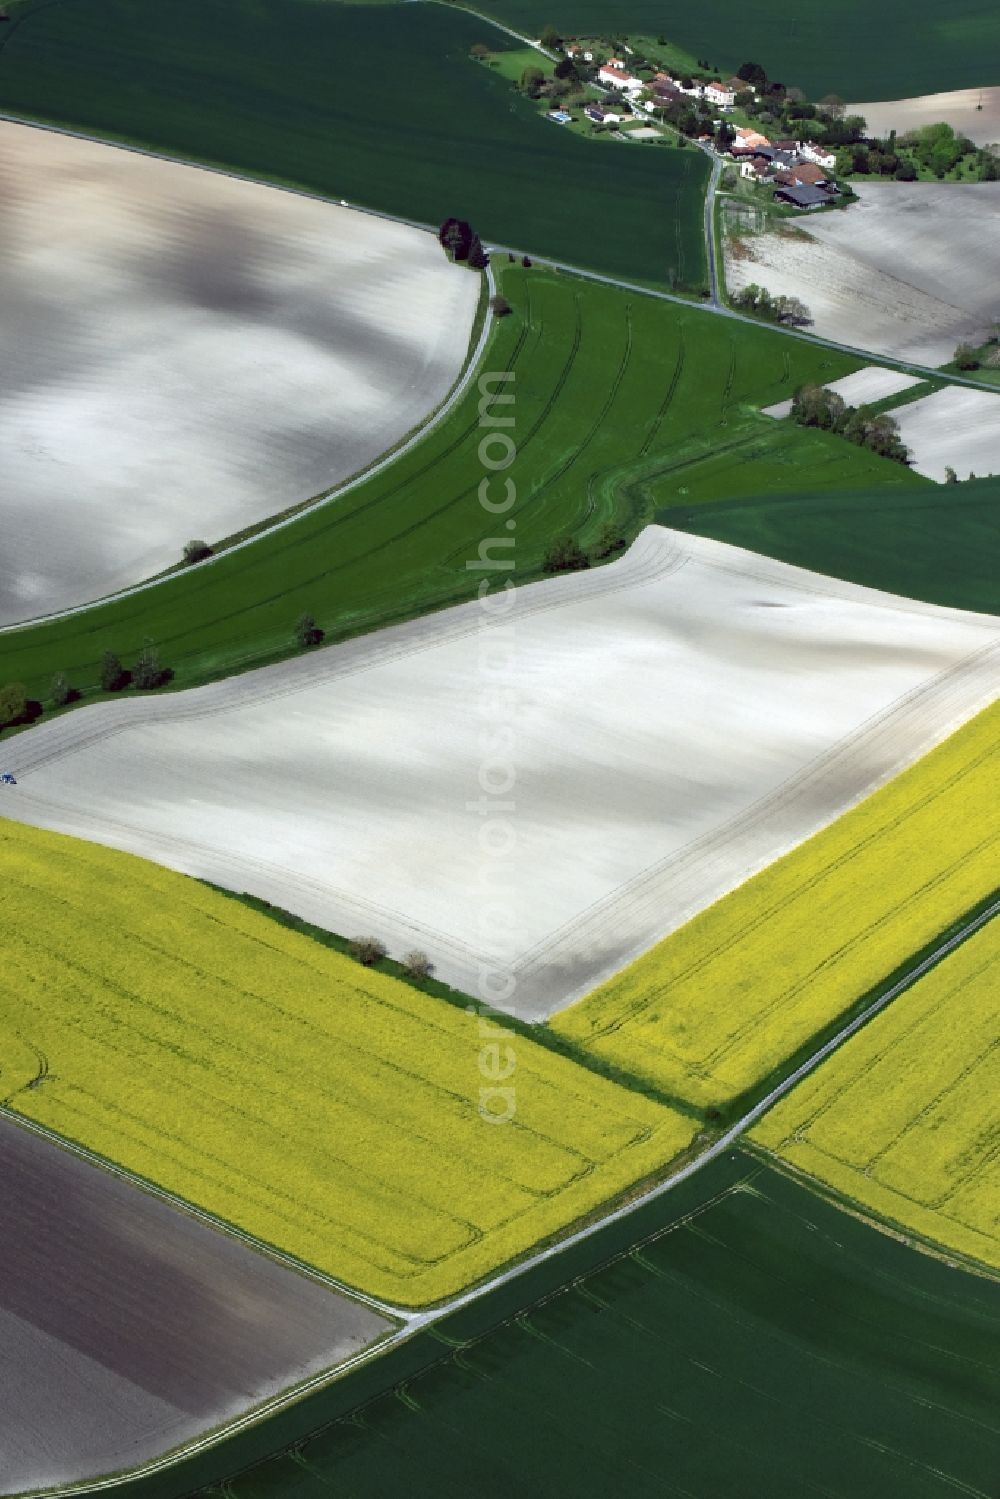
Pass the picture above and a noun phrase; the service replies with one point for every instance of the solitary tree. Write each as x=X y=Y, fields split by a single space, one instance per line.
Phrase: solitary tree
x=793 y=311
x=833 y=105
x=550 y=37
x=417 y=965
x=532 y=80
x=752 y=73
x=307 y=631
x=526 y=261
x=196 y=551
x=500 y=306
x=966 y=357
x=13 y=703
x=612 y=539
x=477 y=257
x=950 y=476
x=61 y=692
x=565 y=556
x=455 y=235
x=479 y=50
x=367 y=950
x=112 y=672
x=147 y=672
x=564 y=68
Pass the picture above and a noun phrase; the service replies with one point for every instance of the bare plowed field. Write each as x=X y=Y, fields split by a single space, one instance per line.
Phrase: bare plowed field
x=183 y=354
x=974 y=112
x=910 y=271
x=127 y=1327
x=545 y=793
x=953 y=428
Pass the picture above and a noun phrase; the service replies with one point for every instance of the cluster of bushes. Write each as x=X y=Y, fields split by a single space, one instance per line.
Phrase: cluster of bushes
x=815 y=406
x=759 y=301
x=148 y=672
x=370 y=951
x=968 y=357
x=17 y=708
x=936 y=148
x=566 y=555
x=461 y=243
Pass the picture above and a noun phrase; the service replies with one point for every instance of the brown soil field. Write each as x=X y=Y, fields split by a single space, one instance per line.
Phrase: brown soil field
x=127 y=1327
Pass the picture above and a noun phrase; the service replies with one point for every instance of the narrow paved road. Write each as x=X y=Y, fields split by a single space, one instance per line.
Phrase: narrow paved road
x=413 y=1322
x=714 y=288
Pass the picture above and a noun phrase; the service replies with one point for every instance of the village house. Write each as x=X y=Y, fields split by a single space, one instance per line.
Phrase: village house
x=756 y=168
x=805 y=174
x=718 y=93
x=821 y=155
x=616 y=75
x=746 y=139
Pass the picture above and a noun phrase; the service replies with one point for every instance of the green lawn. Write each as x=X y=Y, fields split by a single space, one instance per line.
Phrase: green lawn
x=857 y=50
x=761 y=1343
x=380 y=105
x=938 y=543
x=623 y=404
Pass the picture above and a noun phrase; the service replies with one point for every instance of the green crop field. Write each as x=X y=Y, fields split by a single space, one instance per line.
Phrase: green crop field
x=940 y=545
x=858 y=51
x=622 y=403
x=763 y=1343
x=379 y=105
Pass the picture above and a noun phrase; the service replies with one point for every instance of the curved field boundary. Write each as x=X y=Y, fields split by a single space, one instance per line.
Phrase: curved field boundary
x=394 y=543
x=270 y=528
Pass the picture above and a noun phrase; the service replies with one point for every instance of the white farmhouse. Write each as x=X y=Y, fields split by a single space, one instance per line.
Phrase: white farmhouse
x=718 y=93
x=616 y=75
x=821 y=155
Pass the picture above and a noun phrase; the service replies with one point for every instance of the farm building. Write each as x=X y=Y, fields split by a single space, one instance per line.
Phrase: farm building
x=823 y=157
x=804 y=174
x=802 y=197
x=718 y=93
x=615 y=75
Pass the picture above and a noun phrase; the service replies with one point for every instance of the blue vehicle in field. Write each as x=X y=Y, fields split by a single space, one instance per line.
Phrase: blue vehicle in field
x=6 y=779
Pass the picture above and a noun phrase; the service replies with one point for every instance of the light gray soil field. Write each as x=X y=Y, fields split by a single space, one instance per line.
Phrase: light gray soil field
x=953 y=428
x=549 y=791
x=974 y=112
x=183 y=354
x=869 y=384
x=128 y=1328
x=911 y=270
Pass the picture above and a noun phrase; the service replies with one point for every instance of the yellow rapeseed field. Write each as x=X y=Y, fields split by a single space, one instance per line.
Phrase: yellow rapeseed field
x=727 y=999
x=330 y=1110
x=905 y=1117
